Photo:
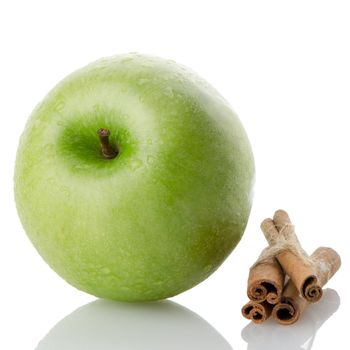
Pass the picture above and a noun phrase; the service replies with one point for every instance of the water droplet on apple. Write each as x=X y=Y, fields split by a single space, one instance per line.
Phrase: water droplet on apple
x=135 y=164
x=142 y=81
x=126 y=59
x=168 y=91
x=150 y=159
x=50 y=181
x=149 y=142
x=66 y=191
x=81 y=166
x=105 y=270
x=58 y=105
x=141 y=99
x=97 y=109
x=147 y=64
x=208 y=268
x=50 y=148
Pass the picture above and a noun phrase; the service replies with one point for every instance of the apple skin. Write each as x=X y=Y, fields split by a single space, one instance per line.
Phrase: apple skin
x=161 y=216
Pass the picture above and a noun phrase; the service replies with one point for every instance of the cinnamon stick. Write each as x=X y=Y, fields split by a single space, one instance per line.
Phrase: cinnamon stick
x=257 y=312
x=265 y=281
x=292 y=305
x=280 y=234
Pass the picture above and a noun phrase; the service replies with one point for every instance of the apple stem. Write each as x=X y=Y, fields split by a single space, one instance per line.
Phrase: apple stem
x=107 y=150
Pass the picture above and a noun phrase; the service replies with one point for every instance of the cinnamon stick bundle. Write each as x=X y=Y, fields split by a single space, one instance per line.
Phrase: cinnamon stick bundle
x=285 y=257
x=265 y=281
x=280 y=235
x=292 y=305
x=257 y=312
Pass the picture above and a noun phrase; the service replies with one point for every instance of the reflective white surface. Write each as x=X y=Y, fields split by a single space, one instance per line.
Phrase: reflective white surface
x=107 y=325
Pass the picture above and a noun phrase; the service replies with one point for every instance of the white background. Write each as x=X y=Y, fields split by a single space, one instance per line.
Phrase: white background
x=285 y=68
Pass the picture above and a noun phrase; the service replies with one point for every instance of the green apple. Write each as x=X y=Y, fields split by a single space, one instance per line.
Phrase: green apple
x=134 y=178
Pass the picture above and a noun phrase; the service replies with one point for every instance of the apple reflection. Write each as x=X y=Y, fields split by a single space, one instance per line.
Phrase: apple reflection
x=105 y=325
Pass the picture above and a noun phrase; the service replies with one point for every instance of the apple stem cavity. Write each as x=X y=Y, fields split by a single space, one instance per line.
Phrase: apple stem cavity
x=107 y=150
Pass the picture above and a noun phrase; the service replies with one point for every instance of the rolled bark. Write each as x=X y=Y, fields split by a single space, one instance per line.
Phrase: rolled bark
x=257 y=312
x=265 y=281
x=292 y=304
x=280 y=234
